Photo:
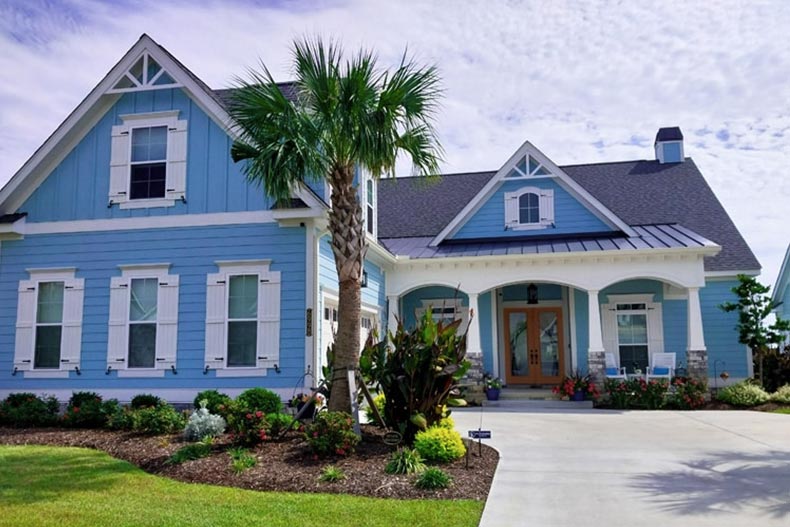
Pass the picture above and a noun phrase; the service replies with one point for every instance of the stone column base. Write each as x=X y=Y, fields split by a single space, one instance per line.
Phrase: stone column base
x=596 y=366
x=475 y=373
x=697 y=361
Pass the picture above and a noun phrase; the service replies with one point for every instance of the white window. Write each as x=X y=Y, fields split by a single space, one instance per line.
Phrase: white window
x=447 y=310
x=49 y=323
x=633 y=329
x=370 y=206
x=242 y=318
x=529 y=208
x=148 y=160
x=143 y=330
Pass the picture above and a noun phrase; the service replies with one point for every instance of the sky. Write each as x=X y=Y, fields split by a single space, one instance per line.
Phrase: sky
x=583 y=81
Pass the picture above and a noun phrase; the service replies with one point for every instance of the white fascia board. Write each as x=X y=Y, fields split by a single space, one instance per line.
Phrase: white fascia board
x=576 y=190
x=727 y=275
x=783 y=278
x=379 y=255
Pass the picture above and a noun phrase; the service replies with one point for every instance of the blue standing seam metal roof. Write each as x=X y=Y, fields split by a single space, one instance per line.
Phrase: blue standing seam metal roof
x=656 y=236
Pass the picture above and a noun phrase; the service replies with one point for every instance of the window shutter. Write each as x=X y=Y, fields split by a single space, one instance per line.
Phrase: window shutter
x=167 y=322
x=609 y=328
x=118 y=330
x=25 y=325
x=268 y=319
x=119 y=164
x=177 y=160
x=547 y=207
x=511 y=209
x=216 y=312
x=71 y=342
x=655 y=328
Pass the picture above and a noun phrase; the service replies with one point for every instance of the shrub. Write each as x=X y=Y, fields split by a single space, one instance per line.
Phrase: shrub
x=636 y=393
x=744 y=393
x=405 y=461
x=278 y=422
x=331 y=433
x=191 y=452
x=247 y=427
x=214 y=400
x=28 y=409
x=145 y=400
x=379 y=400
x=776 y=368
x=417 y=371
x=157 y=420
x=120 y=417
x=782 y=395
x=688 y=393
x=432 y=479
x=331 y=474
x=439 y=444
x=260 y=399
x=241 y=460
x=86 y=410
x=203 y=423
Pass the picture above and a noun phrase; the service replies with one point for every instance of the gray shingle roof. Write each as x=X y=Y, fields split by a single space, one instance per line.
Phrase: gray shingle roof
x=224 y=96
x=672 y=133
x=639 y=192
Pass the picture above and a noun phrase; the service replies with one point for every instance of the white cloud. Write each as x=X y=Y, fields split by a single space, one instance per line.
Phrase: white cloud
x=582 y=81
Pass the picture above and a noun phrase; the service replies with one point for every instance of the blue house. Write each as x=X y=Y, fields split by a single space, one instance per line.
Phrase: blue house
x=134 y=256
x=781 y=292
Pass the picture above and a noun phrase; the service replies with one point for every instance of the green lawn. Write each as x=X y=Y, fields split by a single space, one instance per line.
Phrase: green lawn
x=782 y=411
x=65 y=487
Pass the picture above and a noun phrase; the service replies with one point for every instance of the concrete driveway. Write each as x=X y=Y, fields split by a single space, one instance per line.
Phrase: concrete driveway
x=609 y=468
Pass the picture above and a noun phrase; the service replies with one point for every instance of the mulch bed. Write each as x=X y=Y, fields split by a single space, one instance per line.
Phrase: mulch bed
x=284 y=465
x=767 y=407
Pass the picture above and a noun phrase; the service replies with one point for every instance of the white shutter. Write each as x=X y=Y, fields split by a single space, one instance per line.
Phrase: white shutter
x=511 y=209
x=25 y=325
x=547 y=207
x=118 y=330
x=216 y=312
x=167 y=322
x=176 y=160
x=655 y=328
x=119 y=164
x=268 y=319
x=71 y=341
x=609 y=328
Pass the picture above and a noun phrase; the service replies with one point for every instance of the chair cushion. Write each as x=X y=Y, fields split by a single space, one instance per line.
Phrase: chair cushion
x=612 y=371
x=660 y=371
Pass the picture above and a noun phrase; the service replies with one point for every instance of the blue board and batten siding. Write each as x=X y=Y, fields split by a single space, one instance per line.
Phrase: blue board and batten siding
x=78 y=189
x=191 y=252
x=570 y=216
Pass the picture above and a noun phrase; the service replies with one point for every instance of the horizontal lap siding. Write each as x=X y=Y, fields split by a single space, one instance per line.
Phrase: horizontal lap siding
x=78 y=188
x=721 y=336
x=191 y=253
x=570 y=216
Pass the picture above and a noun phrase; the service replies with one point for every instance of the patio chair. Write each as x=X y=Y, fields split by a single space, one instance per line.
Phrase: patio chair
x=662 y=366
x=613 y=370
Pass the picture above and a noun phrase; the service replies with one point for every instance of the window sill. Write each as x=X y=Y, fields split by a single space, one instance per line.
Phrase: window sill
x=146 y=203
x=527 y=227
x=142 y=372
x=241 y=372
x=47 y=374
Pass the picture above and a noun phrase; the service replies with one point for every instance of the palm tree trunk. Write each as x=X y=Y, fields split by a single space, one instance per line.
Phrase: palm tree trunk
x=349 y=246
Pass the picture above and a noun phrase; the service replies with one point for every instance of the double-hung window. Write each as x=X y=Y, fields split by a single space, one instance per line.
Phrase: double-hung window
x=148 y=160
x=633 y=329
x=143 y=328
x=242 y=318
x=529 y=208
x=49 y=323
x=370 y=205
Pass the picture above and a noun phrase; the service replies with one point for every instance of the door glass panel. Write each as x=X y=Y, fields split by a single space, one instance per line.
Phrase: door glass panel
x=549 y=344
x=519 y=359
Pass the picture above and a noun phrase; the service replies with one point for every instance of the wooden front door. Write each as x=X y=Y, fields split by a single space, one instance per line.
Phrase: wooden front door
x=533 y=345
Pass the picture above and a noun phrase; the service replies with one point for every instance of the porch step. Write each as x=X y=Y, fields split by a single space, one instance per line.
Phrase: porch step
x=520 y=394
x=527 y=404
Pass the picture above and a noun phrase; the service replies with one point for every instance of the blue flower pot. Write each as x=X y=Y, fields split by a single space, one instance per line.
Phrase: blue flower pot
x=578 y=396
x=492 y=394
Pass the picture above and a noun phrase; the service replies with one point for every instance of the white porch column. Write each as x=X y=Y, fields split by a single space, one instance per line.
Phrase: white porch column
x=596 y=361
x=697 y=354
x=473 y=332
x=393 y=312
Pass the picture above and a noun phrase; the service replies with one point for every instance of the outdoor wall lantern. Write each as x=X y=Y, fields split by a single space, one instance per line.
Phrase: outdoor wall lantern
x=532 y=294
x=364 y=282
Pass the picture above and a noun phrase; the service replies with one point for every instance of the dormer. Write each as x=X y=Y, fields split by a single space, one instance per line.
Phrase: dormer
x=669 y=145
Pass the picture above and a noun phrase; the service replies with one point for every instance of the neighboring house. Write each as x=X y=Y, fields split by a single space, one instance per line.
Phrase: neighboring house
x=781 y=292
x=134 y=256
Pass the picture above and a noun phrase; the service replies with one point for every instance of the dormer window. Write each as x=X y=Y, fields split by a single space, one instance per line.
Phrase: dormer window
x=529 y=208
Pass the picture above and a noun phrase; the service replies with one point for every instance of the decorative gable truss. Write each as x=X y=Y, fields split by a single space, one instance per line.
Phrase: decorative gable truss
x=145 y=74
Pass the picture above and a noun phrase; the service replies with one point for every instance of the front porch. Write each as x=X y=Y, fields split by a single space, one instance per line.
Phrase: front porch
x=534 y=320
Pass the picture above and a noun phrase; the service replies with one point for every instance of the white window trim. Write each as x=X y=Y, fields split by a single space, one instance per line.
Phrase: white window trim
x=43 y=275
x=121 y=162
x=545 y=209
x=655 y=323
x=213 y=360
x=370 y=180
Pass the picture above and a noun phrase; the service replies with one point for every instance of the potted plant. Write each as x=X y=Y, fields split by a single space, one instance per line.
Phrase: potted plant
x=577 y=387
x=492 y=387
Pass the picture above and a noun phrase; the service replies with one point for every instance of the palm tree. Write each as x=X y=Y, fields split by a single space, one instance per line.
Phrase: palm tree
x=346 y=114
